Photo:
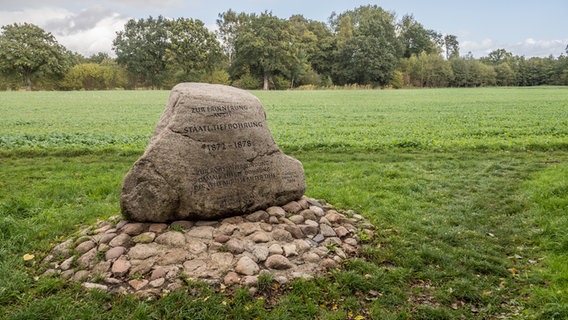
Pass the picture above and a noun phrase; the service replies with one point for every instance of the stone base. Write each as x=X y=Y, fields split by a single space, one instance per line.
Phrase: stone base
x=301 y=239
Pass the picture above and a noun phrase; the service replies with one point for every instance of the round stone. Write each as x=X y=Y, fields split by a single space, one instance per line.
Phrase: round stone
x=247 y=266
x=278 y=262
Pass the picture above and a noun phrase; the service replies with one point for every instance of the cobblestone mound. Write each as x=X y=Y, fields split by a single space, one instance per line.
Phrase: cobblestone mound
x=298 y=240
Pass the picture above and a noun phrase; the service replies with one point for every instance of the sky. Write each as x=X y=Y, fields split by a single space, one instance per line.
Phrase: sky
x=525 y=28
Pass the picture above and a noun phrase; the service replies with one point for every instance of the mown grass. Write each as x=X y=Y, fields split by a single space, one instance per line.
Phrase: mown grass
x=468 y=189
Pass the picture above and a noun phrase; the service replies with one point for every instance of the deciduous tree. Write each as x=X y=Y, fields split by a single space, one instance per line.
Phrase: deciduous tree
x=192 y=48
x=263 y=47
x=26 y=50
x=368 y=49
x=141 y=47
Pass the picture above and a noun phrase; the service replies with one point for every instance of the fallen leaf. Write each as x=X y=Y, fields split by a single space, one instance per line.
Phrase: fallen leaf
x=28 y=257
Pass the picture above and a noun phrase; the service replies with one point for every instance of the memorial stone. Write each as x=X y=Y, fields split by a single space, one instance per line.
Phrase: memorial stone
x=211 y=156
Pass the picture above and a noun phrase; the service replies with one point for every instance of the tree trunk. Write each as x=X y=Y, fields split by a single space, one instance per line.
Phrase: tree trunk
x=265 y=85
x=28 y=81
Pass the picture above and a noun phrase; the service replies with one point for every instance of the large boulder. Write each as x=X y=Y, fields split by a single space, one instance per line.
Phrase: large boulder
x=211 y=156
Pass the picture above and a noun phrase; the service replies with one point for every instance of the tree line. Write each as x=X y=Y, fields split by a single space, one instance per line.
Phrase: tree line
x=366 y=46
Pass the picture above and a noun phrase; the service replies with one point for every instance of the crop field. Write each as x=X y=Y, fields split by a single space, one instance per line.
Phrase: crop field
x=468 y=190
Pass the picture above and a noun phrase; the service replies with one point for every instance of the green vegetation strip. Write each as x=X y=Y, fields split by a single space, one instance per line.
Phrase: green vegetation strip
x=473 y=226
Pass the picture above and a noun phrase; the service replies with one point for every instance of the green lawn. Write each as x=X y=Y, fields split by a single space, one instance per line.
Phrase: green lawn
x=468 y=189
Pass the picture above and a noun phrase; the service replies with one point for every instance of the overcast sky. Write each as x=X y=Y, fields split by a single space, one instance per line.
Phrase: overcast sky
x=529 y=28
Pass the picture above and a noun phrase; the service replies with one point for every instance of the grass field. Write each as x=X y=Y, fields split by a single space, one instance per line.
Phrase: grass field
x=468 y=189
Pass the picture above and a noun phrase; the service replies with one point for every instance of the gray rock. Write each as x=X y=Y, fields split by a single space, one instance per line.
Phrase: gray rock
x=195 y=268
x=318 y=238
x=292 y=206
x=235 y=246
x=133 y=229
x=145 y=237
x=247 y=228
x=222 y=260
x=318 y=211
x=295 y=231
x=327 y=231
x=246 y=266
x=196 y=245
x=171 y=239
x=257 y=216
x=211 y=156
x=278 y=262
x=80 y=275
x=157 y=227
x=308 y=215
x=249 y=280
x=261 y=253
x=121 y=240
x=88 y=258
x=66 y=265
x=275 y=249
x=260 y=236
x=311 y=257
x=282 y=235
x=143 y=251
x=120 y=267
x=96 y=286
x=141 y=267
x=114 y=253
x=203 y=232
x=107 y=237
x=138 y=284
x=341 y=231
x=231 y=278
x=290 y=250
x=63 y=248
x=276 y=211
x=85 y=246
x=159 y=272
x=297 y=219
x=157 y=282
x=174 y=256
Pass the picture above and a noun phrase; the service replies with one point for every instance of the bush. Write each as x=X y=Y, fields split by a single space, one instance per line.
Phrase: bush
x=216 y=77
x=280 y=83
x=247 y=81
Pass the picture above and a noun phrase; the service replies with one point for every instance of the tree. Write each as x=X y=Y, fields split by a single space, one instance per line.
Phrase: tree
x=452 y=46
x=192 y=48
x=415 y=38
x=429 y=70
x=263 y=47
x=27 y=51
x=367 y=47
x=498 y=56
x=141 y=47
x=228 y=25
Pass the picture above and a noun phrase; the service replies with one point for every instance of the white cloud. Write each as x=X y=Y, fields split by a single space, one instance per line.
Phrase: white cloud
x=97 y=38
x=529 y=47
x=87 y=32
x=539 y=48
x=477 y=48
x=39 y=16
